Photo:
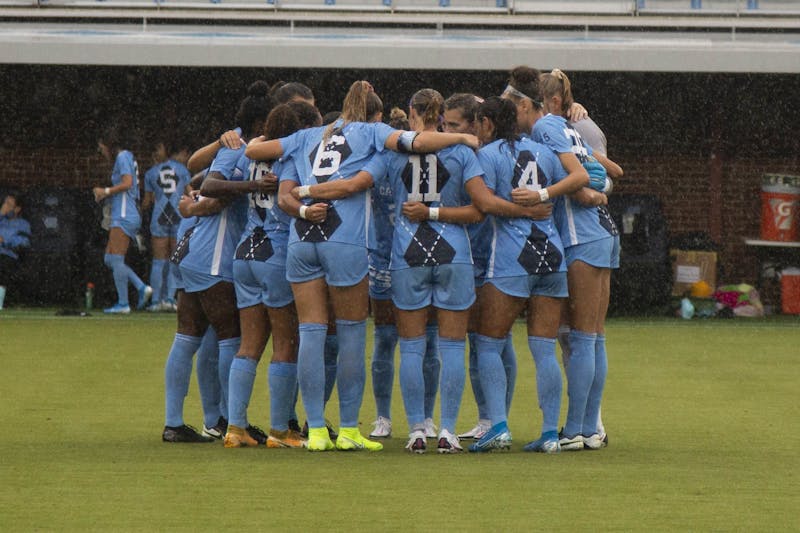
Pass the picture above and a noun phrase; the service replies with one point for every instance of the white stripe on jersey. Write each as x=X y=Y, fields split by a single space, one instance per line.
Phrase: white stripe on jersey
x=216 y=260
x=367 y=216
x=124 y=197
x=493 y=247
x=573 y=233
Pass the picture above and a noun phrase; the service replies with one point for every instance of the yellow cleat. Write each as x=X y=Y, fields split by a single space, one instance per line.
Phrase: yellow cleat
x=350 y=439
x=237 y=437
x=318 y=440
x=285 y=439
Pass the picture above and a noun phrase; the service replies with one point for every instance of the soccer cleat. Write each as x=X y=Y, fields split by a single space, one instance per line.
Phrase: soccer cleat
x=183 y=433
x=382 y=428
x=285 y=439
x=547 y=443
x=595 y=441
x=237 y=437
x=570 y=444
x=257 y=434
x=217 y=431
x=416 y=442
x=350 y=439
x=118 y=309
x=478 y=431
x=169 y=306
x=318 y=440
x=144 y=296
x=497 y=438
x=331 y=432
x=154 y=308
x=430 y=429
x=448 y=443
x=295 y=426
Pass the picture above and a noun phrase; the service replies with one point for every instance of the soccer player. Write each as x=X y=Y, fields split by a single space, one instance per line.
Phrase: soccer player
x=164 y=184
x=15 y=235
x=125 y=220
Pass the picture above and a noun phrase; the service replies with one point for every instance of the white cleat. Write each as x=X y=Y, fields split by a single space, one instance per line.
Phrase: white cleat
x=478 y=431
x=416 y=442
x=448 y=443
x=382 y=428
x=431 y=431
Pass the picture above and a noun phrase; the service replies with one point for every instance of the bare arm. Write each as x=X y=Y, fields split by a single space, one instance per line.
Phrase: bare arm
x=194 y=205
x=491 y=204
x=315 y=213
x=466 y=214
x=433 y=141
x=335 y=189
x=576 y=178
x=216 y=186
x=259 y=149
x=203 y=157
x=101 y=193
x=147 y=201
x=613 y=169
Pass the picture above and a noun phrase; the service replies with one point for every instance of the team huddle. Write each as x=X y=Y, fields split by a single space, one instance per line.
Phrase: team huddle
x=448 y=223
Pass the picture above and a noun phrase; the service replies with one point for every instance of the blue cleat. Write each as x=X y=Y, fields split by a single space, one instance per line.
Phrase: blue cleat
x=144 y=296
x=497 y=438
x=547 y=443
x=117 y=309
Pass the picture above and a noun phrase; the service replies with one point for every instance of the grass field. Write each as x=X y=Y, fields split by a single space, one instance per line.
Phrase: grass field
x=702 y=416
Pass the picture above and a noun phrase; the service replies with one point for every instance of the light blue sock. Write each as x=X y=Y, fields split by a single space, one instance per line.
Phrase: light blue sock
x=383 y=368
x=282 y=384
x=412 y=384
x=452 y=380
x=311 y=371
x=351 y=375
x=509 y=357
x=172 y=281
x=331 y=358
x=431 y=368
x=590 y=419
x=580 y=374
x=208 y=378
x=548 y=380
x=493 y=376
x=240 y=388
x=157 y=278
x=119 y=271
x=228 y=349
x=475 y=378
x=177 y=373
x=563 y=341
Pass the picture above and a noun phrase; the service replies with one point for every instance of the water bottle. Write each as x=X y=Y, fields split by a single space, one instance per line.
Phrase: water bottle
x=89 y=295
x=687 y=309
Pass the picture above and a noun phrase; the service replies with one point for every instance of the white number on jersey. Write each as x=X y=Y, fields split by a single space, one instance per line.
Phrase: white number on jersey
x=257 y=171
x=167 y=180
x=423 y=170
x=578 y=148
x=530 y=176
x=329 y=156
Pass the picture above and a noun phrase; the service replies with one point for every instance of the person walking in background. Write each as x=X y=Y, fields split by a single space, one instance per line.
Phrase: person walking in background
x=15 y=234
x=125 y=218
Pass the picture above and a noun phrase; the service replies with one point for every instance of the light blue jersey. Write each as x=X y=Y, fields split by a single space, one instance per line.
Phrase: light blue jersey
x=438 y=180
x=382 y=229
x=522 y=246
x=577 y=224
x=124 y=205
x=166 y=181
x=263 y=211
x=341 y=156
x=211 y=242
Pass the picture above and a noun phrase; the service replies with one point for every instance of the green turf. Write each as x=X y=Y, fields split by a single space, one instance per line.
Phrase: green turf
x=702 y=416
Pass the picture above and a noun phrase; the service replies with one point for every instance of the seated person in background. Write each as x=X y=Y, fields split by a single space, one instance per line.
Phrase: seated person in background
x=15 y=233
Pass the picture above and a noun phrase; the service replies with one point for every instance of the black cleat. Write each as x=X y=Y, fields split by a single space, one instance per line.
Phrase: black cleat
x=257 y=434
x=295 y=426
x=218 y=431
x=183 y=433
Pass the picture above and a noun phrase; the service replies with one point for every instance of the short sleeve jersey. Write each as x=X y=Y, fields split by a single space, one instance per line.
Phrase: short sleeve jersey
x=124 y=204
x=522 y=246
x=438 y=180
x=339 y=156
x=166 y=181
x=577 y=224
x=263 y=211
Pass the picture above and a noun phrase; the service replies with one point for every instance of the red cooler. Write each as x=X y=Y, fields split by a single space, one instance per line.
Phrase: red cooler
x=780 y=204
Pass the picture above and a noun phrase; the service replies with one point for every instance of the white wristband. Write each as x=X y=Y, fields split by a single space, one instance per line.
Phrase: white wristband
x=304 y=191
x=107 y=190
x=543 y=195
x=303 y=209
x=433 y=213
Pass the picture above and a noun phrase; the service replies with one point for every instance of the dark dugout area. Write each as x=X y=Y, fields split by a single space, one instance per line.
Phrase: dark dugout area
x=656 y=125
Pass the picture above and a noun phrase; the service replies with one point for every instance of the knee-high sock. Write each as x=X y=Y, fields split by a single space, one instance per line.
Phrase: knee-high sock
x=240 y=388
x=475 y=378
x=548 y=380
x=412 y=384
x=172 y=281
x=351 y=375
x=493 y=376
x=509 y=357
x=177 y=373
x=383 y=368
x=331 y=358
x=157 y=272
x=208 y=378
x=591 y=419
x=121 y=272
x=311 y=371
x=282 y=384
x=452 y=380
x=228 y=348
x=563 y=341
x=580 y=375
x=431 y=368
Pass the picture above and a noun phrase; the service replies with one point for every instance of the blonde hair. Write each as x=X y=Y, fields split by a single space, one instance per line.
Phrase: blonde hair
x=398 y=119
x=360 y=103
x=556 y=83
x=428 y=103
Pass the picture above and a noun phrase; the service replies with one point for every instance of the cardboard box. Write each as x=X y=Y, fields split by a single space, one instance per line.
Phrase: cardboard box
x=690 y=266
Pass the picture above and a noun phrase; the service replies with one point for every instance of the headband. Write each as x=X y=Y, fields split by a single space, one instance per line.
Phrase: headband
x=519 y=94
